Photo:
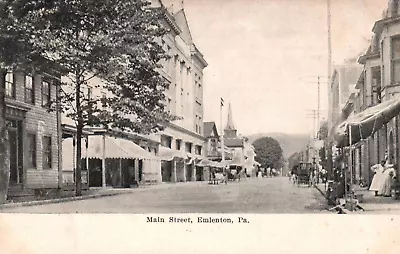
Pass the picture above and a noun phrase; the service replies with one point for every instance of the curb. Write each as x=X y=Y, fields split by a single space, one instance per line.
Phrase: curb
x=320 y=191
x=61 y=200
x=92 y=196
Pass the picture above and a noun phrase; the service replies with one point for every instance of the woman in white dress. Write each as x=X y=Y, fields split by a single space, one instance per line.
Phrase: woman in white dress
x=377 y=180
x=386 y=185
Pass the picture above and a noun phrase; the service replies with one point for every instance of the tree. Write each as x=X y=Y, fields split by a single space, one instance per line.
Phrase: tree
x=323 y=135
x=268 y=152
x=112 y=41
x=294 y=159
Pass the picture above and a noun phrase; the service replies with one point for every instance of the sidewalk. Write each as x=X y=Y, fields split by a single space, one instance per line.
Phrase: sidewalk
x=371 y=203
x=98 y=192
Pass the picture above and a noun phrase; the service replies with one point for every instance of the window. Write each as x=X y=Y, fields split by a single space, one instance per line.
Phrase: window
x=395 y=60
x=200 y=123
x=9 y=81
x=214 y=145
x=178 y=145
x=29 y=90
x=188 y=147
x=166 y=141
x=31 y=143
x=169 y=106
x=45 y=93
x=47 y=158
x=198 y=150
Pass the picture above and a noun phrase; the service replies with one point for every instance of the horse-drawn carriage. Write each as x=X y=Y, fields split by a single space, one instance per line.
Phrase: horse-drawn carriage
x=302 y=173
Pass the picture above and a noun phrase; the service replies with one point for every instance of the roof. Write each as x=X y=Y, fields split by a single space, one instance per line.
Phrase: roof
x=233 y=142
x=181 y=20
x=209 y=127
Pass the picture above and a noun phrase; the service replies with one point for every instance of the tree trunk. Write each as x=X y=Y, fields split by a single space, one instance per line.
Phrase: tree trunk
x=4 y=151
x=79 y=127
x=78 y=174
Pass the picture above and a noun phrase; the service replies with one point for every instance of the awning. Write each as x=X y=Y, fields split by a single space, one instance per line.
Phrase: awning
x=167 y=154
x=189 y=161
x=218 y=164
x=204 y=163
x=208 y=163
x=114 y=148
x=367 y=122
x=234 y=162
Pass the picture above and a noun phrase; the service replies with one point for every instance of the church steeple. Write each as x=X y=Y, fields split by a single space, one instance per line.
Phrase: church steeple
x=230 y=130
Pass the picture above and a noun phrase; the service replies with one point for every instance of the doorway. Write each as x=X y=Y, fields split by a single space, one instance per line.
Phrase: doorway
x=16 y=151
x=166 y=171
x=199 y=173
x=189 y=172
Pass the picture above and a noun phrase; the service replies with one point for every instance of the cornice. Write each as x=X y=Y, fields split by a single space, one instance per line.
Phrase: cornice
x=364 y=58
x=378 y=26
x=171 y=21
x=176 y=127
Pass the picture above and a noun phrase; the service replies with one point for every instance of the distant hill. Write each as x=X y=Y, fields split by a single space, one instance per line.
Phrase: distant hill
x=290 y=143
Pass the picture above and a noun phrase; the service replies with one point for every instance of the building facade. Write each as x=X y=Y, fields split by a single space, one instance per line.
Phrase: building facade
x=183 y=139
x=378 y=82
x=342 y=83
x=33 y=131
x=177 y=149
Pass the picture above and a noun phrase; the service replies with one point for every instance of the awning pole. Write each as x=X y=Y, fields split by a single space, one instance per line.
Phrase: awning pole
x=120 y=171
x=351 y=170
x=103 y=163
x=87 y=161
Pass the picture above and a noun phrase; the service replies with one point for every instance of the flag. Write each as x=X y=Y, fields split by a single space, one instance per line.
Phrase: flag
x=222 y=102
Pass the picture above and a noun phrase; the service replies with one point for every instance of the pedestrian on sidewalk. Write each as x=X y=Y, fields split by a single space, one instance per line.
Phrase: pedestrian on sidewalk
x=378 y=178
x=387 y=178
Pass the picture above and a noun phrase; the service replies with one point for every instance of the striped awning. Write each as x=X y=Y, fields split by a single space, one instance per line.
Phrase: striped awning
x=367 y=122
x=113 y=148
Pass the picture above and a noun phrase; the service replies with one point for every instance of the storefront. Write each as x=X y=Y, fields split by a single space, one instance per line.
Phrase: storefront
x=117 y=162
x=354 y=132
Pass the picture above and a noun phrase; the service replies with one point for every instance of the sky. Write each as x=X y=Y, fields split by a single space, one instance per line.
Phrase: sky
x=265 y=56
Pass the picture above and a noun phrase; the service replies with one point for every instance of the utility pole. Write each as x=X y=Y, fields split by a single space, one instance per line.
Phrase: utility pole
x=329 y=143
x=313 y=114
x=318 y=110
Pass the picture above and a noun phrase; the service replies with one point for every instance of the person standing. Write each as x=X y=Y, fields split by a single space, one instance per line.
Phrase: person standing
x=377 y=180
x=387 y=177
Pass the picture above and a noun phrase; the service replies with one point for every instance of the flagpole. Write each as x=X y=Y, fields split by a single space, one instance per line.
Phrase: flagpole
x=223 y=143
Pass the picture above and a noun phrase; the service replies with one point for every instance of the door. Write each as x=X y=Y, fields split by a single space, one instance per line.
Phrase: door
x=128 y=171
x=16 y=151
x=95 y=168
x=199 y=173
